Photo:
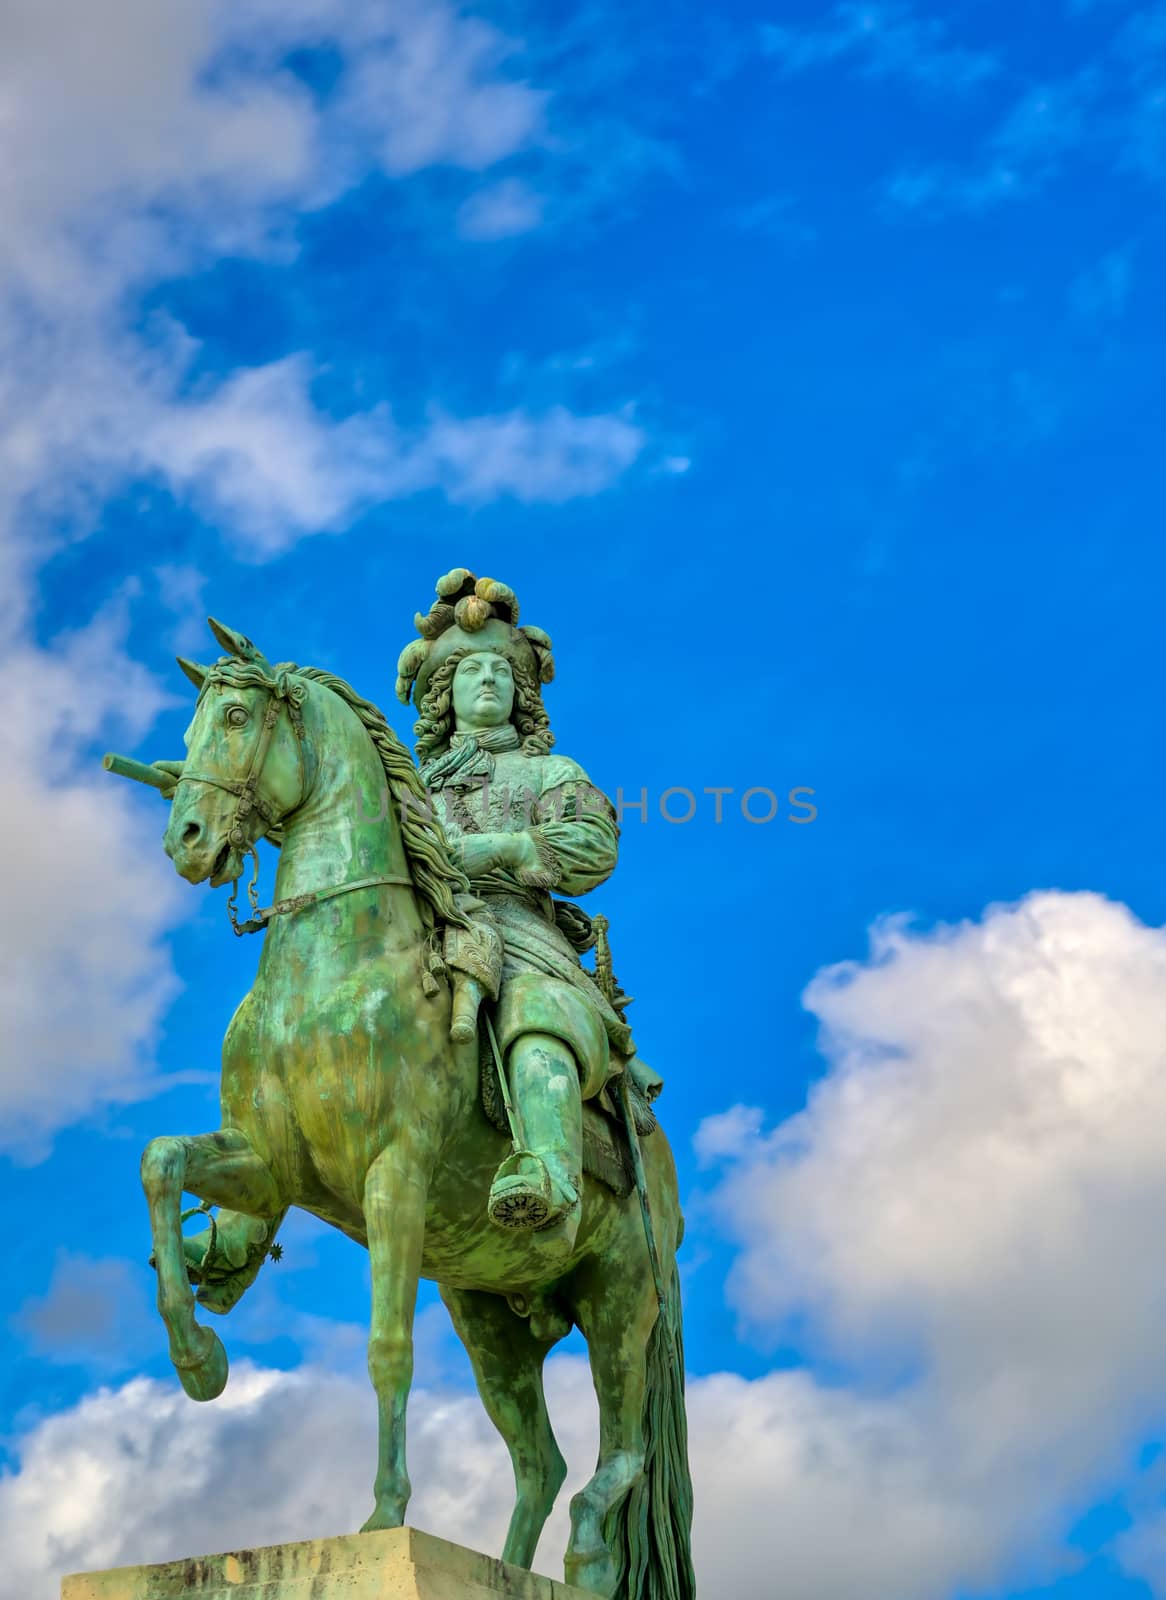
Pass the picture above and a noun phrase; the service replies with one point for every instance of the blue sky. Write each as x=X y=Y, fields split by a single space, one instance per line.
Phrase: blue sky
x=801 y=368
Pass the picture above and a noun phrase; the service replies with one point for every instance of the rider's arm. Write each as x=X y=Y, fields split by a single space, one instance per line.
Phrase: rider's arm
x=575 y=827
x=515 y=853
x=571 y=845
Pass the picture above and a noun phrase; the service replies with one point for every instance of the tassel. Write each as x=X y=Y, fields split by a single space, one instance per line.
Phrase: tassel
x=604 y=976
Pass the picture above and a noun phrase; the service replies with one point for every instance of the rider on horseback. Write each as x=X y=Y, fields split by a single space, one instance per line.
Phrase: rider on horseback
x=522 y=822
x=349 y=1069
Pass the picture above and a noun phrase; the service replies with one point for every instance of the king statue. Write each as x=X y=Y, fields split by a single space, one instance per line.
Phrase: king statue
x=522 y=823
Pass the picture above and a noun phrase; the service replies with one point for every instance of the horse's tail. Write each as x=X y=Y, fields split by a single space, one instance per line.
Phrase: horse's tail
x=649 y=1534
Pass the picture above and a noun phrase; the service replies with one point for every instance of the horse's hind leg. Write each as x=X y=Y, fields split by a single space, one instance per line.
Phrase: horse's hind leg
x=508 y=1367
x=220 y=1168
x=617 y=1318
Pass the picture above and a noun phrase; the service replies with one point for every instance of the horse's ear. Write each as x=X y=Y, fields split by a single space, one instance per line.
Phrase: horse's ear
x=235 y=643
x=193 y=670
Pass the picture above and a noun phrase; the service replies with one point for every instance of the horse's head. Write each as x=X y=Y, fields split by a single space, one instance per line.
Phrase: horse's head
x=245 y=767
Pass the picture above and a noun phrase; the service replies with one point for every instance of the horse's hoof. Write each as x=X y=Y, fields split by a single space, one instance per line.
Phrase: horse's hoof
x=595 y=1574
x=204 y=1376
x=381 y=1520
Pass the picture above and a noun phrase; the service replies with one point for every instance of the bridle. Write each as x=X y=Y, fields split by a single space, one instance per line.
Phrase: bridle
x=282 y=690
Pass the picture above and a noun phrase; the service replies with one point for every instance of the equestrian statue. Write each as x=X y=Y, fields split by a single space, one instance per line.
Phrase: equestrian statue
x=425 y=1062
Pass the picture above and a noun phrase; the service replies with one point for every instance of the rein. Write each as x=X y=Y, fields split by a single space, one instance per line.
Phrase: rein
x=301 y=902
x=280 y=689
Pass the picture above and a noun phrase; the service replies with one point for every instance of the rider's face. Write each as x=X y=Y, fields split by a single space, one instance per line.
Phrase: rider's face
x=483 y=692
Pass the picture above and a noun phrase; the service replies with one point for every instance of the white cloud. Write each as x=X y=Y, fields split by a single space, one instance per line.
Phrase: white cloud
x=153 y=145
x=552 y=456
x=141 y=1474
x=257 y=452
x=780 y=1465
x=965 y=1219
x=181 y=591
x=1110 y=112
x=1043 y=129
x=191 y=115
x=431 y=89
x=1141 y=1550
x=727 y=1133
x=88 y=895
x=101 y=122
x=1027 y=150
x=500 y=210
x=885 y=41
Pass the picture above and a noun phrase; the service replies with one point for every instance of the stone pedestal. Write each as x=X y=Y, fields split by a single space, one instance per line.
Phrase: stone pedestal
x=399 y=1564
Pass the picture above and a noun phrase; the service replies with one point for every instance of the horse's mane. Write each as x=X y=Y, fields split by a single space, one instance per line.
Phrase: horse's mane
x=435 y=877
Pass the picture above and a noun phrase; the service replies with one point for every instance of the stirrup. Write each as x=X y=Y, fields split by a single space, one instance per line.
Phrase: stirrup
x=522 y=1195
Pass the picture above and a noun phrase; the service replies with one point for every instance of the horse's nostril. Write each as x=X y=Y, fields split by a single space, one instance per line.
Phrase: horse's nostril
x=191 y=832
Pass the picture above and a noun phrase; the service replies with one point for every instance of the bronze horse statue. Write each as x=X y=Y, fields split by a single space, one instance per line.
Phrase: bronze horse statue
x=342 y=1093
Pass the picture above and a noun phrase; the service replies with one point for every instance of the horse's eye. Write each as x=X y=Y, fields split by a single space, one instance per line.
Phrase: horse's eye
x=236 y=716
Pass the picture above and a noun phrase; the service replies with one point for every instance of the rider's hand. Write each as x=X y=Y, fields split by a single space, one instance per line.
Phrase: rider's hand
x=515 y=852
x=170 y=769
x=482 y=852
x=522 y=853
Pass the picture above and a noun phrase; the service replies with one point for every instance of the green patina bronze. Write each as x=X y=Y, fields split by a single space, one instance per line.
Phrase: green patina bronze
x=425 y=1063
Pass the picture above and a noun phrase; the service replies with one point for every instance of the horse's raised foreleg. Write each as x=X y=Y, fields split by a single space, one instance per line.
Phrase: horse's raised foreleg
x=508 y=1367
x=394 y=1212
x=220 y=1168
x=617 y=1317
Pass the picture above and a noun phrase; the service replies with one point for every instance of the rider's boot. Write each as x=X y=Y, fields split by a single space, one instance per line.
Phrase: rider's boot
x=539 y=1185
x=223 y=1261
x=467 y=1001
